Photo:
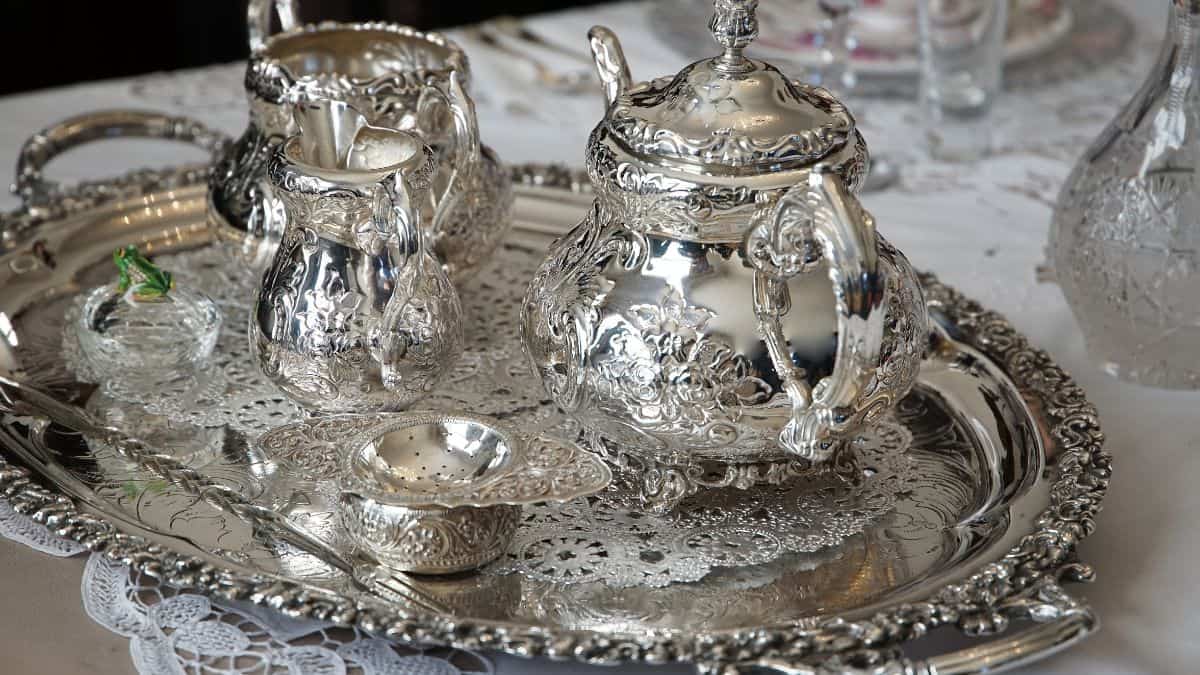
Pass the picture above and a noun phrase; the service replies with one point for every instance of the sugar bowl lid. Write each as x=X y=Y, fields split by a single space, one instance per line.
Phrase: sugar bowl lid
x=728 y=114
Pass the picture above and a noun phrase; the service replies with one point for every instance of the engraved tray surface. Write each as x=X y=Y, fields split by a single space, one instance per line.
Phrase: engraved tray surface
x=1007 y=456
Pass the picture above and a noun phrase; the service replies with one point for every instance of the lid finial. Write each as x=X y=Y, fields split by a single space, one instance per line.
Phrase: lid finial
x=734 y=26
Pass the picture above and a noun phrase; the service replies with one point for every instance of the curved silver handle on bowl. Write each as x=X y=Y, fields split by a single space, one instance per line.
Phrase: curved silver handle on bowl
x=35 y=190
x=465 y=143
x=1061 y=620
x=815 y=221
x=258 y=19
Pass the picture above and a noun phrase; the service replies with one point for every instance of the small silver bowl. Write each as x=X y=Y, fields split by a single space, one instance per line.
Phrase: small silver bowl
x=435 y=493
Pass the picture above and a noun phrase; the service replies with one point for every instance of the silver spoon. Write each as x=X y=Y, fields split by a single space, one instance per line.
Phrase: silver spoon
x=366 y=572
x=512 y=26
x=570 y=82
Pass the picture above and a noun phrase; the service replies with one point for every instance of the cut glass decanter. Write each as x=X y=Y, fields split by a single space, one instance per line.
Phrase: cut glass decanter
x=1125 y=239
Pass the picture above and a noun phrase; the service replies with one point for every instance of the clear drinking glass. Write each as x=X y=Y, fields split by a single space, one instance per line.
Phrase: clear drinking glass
x=839 y=75
x=962 y=62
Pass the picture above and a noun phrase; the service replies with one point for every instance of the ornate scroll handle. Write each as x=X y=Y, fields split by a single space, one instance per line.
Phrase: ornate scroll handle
x=33 y=188
x=398 y=219
x=464 y=148
x=820 y=220
x=610 y=63
x=258 y=19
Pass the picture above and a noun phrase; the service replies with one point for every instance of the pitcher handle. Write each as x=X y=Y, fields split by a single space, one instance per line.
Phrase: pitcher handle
x=819 y=221
x=258 y=19
x=465 y=144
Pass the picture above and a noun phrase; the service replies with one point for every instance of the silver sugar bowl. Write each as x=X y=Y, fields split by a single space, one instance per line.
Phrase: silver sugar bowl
x=354 y=314
x=688 y=322
x=399 y=78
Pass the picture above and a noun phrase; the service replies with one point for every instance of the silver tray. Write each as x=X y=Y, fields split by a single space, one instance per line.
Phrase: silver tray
x=1011 y=476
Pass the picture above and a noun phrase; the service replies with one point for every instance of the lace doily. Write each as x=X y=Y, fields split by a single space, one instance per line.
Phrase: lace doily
x=172 y=632
x=24 y=530
x=607 y=539
x=604 y=538
x=213 y=88
x=175 y=632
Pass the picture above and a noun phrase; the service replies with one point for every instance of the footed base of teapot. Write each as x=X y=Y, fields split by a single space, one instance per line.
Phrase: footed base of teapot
x=661 y=484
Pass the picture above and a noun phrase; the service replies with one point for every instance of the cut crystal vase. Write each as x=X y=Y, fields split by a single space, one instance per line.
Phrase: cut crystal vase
x=1125 y=238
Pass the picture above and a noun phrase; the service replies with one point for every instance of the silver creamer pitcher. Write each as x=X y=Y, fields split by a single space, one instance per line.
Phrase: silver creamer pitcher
x=354 y=314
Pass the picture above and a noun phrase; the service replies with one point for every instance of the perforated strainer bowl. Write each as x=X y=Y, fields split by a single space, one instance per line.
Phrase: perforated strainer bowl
x=437 y=493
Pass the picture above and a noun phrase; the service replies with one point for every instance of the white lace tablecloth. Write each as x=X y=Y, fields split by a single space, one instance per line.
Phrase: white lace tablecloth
x=981 y=227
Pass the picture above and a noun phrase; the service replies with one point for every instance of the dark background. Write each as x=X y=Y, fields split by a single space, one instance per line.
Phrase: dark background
x=65 y=41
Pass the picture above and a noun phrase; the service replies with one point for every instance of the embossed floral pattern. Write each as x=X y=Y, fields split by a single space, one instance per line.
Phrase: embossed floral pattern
x=673 y=376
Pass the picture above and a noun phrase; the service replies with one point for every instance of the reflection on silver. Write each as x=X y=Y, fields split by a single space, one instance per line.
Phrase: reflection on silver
x=1000 y=432
x=400 y=79
x=354 y=314
x=685 y=323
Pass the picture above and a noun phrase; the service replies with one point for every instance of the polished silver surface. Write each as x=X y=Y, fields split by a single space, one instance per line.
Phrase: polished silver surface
x=728 y=114
x=354 y=314
x=983 y=543
x=43 y=199
x=455 y=459
x=399 y=78
x=688 y=321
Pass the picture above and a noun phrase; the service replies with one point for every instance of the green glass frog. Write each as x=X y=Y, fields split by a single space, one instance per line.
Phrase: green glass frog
x=146 y=280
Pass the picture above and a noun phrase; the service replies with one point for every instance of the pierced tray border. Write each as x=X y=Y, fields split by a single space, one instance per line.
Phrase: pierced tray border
x=1024 y=584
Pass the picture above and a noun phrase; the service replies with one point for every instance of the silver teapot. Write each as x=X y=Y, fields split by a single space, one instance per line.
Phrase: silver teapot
x=354 y=314
x=688 y=322
x=399 y=78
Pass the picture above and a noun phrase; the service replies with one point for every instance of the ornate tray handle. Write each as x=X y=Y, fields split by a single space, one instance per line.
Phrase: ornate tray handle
x=819 y=221
x=36 y=191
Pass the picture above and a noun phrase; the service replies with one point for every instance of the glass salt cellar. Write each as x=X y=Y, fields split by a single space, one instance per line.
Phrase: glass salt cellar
x=143 y=325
